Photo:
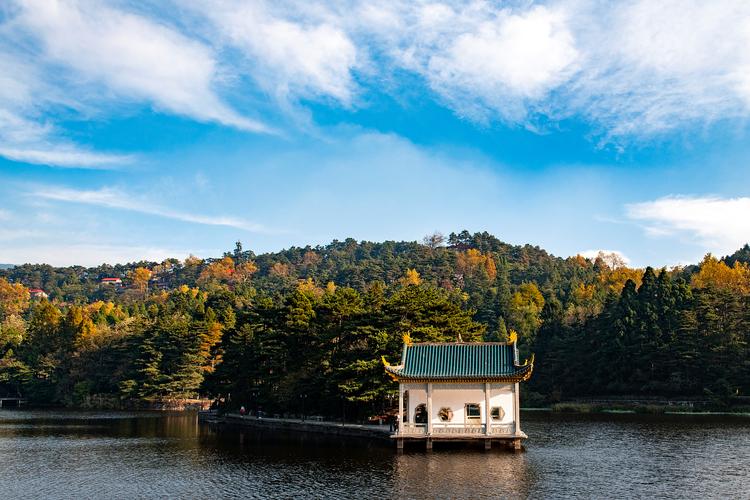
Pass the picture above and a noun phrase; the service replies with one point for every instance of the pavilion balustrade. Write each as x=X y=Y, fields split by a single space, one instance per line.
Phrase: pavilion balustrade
x=447 y=428
x=443 y=428
x=412 y=429
x=507 y=429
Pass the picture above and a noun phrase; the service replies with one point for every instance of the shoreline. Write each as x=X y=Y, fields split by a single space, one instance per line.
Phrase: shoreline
x=642 y=408
x=378 y=433
x=560 y=408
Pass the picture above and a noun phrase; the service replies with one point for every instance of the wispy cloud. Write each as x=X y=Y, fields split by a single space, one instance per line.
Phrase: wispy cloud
x=290 y=56
x=630 y=68
x=486 y=62
x=636 y=68
x=132 y=55
x=113 y=198
x=64 y=156
x=86 y=57
x=24 y=136
x=720 y=225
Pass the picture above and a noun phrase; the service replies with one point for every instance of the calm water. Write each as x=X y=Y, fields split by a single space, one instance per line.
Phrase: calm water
x=139 y=455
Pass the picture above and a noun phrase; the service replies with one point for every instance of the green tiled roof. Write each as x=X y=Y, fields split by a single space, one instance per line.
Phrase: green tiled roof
x=460 y=361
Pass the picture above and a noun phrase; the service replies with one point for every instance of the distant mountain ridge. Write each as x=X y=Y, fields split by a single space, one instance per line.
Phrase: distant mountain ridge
x=7 y=266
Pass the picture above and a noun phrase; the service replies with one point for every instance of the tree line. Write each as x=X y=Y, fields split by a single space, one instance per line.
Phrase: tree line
x=305 y=329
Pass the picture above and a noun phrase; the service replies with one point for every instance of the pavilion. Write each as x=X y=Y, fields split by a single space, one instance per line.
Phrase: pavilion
x=459 y=391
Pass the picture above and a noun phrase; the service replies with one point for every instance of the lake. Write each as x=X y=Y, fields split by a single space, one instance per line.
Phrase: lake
x=68 y=454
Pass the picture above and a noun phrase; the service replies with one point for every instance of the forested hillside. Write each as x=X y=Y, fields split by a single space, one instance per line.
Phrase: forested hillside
x=308 y=326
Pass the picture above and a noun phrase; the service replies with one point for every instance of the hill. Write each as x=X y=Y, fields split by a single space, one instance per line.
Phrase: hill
x=266 y=328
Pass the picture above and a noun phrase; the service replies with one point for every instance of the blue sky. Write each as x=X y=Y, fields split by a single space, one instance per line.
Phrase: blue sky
x=141 y=129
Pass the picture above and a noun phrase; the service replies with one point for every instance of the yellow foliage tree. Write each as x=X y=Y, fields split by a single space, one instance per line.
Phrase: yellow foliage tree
x=583 y=303
x=490 y=268
x=309 y=288
x=141 y=277
x=14 y=298
x=614 y=279
x=192 y=260
x=716 y=274
x=525 y=309
x=209 y=339
x=411 y=278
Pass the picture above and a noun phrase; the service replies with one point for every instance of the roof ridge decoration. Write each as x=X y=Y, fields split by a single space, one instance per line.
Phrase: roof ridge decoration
x=512 y=336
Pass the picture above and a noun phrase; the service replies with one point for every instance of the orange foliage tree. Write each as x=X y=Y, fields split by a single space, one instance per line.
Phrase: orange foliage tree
x=220 y=270
x=472 y=261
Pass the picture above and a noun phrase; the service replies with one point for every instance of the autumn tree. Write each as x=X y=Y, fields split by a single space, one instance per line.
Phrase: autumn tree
x=14 y=298
x=525 y=308
x=220 y=271
x=244 y=271
x=715 y=273
x=310 y=259
x=473 y=261
x=411 y=278
x=140 y=277
x=279 y=269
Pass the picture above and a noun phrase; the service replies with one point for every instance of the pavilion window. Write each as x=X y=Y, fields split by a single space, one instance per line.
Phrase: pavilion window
x=420 y=414
x=497 y=413
x=445 y=414
x=473 y=412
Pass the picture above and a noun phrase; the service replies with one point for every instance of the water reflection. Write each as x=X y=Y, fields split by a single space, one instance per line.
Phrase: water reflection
x=463 y=474
x=136 y=455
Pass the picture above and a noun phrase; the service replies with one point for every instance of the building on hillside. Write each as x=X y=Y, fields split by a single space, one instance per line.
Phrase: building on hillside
x=37 y=293
x=159 y=282
x=116 y=282
x=460 y=392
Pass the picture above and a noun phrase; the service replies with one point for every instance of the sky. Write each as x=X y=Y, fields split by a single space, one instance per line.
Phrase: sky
x=134 y=130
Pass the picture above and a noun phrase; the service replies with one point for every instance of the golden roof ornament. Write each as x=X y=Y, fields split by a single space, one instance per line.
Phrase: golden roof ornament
x=512 y=337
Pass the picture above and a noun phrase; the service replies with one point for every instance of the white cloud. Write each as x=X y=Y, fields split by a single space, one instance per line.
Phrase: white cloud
x=656 y=66
x=23 y=137
x=132 y=55
x=64 y=156
x=503 y=59
x=112 y=198
x=287 y=58
x=631 y=69
x=720 y=225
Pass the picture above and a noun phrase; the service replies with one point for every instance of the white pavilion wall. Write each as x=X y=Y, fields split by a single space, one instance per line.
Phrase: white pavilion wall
x=455 y=397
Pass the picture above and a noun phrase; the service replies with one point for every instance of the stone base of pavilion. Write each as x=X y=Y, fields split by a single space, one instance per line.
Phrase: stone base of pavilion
x=512 y=442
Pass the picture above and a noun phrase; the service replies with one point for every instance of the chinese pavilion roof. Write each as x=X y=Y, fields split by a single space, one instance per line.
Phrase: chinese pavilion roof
x=460 y=362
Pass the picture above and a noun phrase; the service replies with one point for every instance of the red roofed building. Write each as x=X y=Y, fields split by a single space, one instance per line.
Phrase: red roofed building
x=112 y=281
x=37 y=293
